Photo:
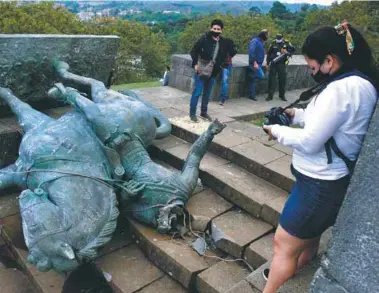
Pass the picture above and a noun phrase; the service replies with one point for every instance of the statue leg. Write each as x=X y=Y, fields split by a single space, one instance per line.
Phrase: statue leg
x=190 y=171
x=97 y=87
x=9 y=177
x=27 y=117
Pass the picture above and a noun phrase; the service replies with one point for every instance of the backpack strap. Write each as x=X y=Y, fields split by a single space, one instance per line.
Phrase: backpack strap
x=332 y=145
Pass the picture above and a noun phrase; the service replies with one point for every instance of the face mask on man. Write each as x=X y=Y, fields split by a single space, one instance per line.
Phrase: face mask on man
x=215 y=34
x=279 y=41
x=320 y=76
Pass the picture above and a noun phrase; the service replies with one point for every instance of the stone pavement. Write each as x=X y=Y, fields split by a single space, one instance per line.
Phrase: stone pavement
x=244 y=183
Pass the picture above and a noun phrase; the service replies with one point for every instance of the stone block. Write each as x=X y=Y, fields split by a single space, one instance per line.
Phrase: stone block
x=172 y=113
x=280 y=173
x=129 y=268
x=26 y=62
x=243 y=287
x=174 y=257
x=14 y=281
x=240 y=187
x=297 y=284
x=282 y=148
x=256 y=280
x=272 y=209
x=163 y=285
x=168 y=142
x=9 y=205
x=235 y=230
x=260 y=251
x=220 y=277
x=205 y=206
x=246 y=129
x=252 y=155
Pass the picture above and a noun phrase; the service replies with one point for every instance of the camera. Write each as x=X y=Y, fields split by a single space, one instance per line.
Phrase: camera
x=276 y=115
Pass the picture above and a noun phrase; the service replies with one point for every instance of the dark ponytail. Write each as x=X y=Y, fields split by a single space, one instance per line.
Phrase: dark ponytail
x=326 y=41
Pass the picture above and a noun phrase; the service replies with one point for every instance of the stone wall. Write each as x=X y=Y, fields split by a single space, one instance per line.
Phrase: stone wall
x=26 y=62
x=181 y=76
x=351 y=264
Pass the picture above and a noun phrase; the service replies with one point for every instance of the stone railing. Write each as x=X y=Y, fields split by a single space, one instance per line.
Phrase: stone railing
x=181 y=76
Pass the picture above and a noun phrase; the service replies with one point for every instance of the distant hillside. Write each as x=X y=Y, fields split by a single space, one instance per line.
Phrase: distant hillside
x=180 y=7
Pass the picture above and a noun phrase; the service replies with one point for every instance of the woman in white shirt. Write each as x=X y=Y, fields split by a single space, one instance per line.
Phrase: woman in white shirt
x=342 y=111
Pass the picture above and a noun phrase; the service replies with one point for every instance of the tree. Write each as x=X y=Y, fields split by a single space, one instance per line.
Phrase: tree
x=254 y=10
x=278 y=10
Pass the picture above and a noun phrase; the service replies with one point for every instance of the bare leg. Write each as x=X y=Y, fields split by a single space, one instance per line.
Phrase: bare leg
x=287 y=250
x=9 y=178
x=309 y=253
x=190 y=171
x=27 y=117
x=97 y=87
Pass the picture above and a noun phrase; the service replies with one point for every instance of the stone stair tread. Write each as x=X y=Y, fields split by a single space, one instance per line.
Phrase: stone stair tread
x=174 y=256
x=252 y=152
x=14 y=281
x=221 y=277
x=251 y=193
x=129 y=268
x=235 y=230
x=205 y=206
x=297 y=284
x=164 y=285
x=260 y=251
x=243 y=287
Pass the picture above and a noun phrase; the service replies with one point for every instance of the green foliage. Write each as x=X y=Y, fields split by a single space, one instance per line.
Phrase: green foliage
x=142 y=53
x=239 y=28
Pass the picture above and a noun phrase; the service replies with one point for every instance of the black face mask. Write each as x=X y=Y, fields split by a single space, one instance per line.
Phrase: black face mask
x=215 y=34
x=320 y=76
x=264 y=37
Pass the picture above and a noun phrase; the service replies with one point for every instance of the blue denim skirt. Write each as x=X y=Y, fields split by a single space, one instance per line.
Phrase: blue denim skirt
x=313 y=205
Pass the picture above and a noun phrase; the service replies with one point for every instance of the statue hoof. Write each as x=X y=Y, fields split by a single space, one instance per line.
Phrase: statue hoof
x=216 y=126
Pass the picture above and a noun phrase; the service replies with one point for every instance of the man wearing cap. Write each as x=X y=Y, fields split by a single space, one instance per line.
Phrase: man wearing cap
x=277 y=58
x=256 y=57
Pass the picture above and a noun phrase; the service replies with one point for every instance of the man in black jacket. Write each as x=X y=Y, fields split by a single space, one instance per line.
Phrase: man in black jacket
x=211 y=46
x=280 y=50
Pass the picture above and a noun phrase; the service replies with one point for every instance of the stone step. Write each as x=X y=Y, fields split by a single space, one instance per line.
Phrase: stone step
x=249 y=192
x=14 y=281
x=130 y=270
x=245 y=145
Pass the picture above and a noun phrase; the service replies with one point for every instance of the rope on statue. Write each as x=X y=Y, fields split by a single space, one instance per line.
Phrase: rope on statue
x=109 y=182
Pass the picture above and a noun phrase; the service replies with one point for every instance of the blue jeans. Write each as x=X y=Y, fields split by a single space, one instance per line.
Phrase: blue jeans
x=202 y=86
x=254 y=74
x=225 y=83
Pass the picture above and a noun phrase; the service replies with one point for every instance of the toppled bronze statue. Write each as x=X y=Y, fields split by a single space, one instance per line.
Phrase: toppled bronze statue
x=70 y=168
x=161 y=194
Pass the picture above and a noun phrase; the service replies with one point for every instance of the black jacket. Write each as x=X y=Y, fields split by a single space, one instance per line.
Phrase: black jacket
x=204 y=48
x=275 y=48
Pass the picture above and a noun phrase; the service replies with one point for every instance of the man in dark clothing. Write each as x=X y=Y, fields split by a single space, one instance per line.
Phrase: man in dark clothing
x=211 y=46
x=256 y=57
x=280 y=49
x=226 y=70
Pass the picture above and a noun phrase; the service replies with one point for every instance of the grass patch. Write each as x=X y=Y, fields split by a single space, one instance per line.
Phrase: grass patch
x=136 y=85
x=258 y=122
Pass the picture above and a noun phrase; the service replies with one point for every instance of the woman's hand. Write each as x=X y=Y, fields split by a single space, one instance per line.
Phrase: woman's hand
x=290 y=112
x=267 y=129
